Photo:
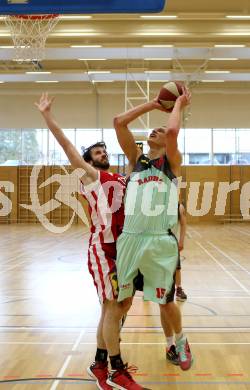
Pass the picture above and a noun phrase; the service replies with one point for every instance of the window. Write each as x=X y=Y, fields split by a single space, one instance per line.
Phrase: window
x=113 y=147
x=243 y=146
x=23 y=146
x=224 y=146
x=198 y=146
x=87 y=137
x=10 y=147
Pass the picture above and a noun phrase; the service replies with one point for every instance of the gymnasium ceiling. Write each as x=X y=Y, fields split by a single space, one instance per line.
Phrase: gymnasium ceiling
x=192 y=27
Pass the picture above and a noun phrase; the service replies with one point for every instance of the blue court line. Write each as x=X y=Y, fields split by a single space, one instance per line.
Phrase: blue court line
x=82 y=381
x=46 y=380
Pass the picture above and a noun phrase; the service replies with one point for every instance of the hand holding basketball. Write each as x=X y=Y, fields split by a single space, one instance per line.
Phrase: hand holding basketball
x=157 y=105
x=185 y=98
x=172 y=92
x=45 y=103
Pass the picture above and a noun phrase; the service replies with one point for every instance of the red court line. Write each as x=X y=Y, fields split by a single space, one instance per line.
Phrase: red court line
x=235 y=375
x=171 y=375
x=208 y=374
x=11 y=377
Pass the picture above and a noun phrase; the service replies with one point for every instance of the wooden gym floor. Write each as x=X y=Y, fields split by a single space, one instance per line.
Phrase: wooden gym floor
x=49 y=312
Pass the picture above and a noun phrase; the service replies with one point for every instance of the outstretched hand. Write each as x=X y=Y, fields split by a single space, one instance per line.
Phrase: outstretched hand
x=185 y=98
x=45 y=103
x=157 y=105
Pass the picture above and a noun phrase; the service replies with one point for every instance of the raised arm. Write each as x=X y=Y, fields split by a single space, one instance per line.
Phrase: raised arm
x=130 y=167
x=173 y=128
x=124 y=135
x=76 y=160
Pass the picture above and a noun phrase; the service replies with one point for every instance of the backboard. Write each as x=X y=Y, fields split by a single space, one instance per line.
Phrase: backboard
x=10 y=7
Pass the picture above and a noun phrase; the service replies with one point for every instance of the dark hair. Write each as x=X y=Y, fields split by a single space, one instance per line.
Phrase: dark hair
x=87 y=151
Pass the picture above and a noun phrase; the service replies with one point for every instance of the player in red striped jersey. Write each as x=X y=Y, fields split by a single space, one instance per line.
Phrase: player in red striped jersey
x=105 y=201
x=104 y=192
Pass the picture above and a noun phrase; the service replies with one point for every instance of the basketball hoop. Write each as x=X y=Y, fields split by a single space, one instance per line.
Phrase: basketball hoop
x=29 y=34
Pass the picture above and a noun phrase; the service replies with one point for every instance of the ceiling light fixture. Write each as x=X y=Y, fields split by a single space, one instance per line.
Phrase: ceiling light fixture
x=102 y=81
x=246 y=17
x=157 y=45
x=159 y=17
x=217 y=71
x=212 y=81
x=156 y=71
x=158 y=59
x=98 y=71
x=85 y=46
x=229 y=45
x=157 y=34
x=38 y=72
x=223 y=59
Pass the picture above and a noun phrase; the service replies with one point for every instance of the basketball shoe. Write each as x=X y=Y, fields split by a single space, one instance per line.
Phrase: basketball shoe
x=180 y=294
x=172 y=355
x=99 y=372
x=121 y=379
x=184 y=353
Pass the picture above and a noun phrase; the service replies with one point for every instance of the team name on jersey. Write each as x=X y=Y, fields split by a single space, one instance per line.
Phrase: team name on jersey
x=125 y=286
x=148 y=179
x=160 y=293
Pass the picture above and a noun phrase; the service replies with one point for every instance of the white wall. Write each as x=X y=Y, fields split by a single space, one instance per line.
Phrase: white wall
x=79 y=110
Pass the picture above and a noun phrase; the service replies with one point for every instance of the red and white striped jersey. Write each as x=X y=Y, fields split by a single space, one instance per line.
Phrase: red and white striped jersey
x=105 y=199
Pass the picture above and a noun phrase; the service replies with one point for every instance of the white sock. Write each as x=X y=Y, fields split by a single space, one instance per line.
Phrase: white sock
x=170 y=341
x=179 y=336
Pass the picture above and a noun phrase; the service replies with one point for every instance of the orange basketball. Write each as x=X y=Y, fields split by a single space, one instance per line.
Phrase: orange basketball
x=169 y=93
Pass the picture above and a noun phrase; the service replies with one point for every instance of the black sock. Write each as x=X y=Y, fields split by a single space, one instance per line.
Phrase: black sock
x=116 y=362
x=101 y=355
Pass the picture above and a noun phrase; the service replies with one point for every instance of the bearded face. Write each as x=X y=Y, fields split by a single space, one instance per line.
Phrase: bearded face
x=100 y=158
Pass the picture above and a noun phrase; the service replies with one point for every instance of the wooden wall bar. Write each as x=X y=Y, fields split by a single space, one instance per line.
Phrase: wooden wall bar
x=61 y=214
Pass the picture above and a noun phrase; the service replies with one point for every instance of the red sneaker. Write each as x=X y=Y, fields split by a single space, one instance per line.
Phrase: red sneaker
x=99 y=371
x=121 y=379
x=184 y=353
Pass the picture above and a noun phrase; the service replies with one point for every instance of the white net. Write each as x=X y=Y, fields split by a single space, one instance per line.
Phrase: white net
x=29 y=34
